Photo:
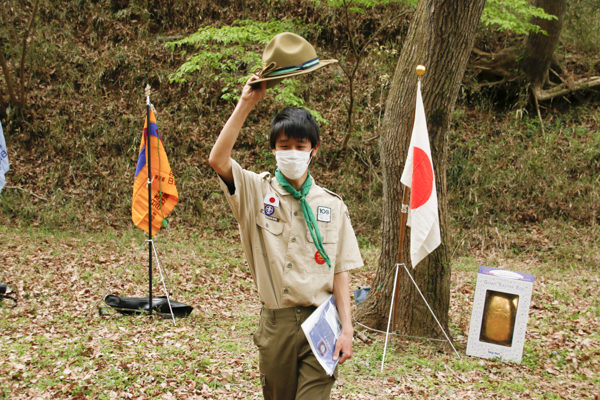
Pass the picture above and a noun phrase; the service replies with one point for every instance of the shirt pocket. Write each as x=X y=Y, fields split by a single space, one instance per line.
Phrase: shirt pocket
x=269 y=234
x=330 y=241
x=274 y=227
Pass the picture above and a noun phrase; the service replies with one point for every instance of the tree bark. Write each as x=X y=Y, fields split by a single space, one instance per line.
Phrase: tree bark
x=539 y=48
x=441 y=38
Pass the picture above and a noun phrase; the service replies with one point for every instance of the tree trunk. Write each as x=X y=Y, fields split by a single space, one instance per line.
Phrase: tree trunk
x=440 y=37
x=539 y=48
x=536 y=57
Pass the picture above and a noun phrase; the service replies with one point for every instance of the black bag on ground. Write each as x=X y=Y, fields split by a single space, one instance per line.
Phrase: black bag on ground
x=138 y=305
x=4 y=296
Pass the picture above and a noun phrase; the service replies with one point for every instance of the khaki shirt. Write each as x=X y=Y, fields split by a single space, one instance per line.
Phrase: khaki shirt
x=280 y=251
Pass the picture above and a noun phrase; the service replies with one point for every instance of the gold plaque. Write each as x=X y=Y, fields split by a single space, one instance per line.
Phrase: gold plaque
x=499 y=314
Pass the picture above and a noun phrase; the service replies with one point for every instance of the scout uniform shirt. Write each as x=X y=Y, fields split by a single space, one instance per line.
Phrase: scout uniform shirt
x=281 y=254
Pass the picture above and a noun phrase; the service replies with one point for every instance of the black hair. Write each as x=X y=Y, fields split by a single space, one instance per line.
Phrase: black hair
x=296 y=123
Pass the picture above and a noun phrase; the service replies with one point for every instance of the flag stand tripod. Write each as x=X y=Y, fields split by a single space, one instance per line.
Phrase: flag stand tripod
x=420 y=70
x=150 y=241
x=394 y=303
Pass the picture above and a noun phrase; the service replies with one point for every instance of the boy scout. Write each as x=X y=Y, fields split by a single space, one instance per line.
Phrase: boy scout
x=298 y=241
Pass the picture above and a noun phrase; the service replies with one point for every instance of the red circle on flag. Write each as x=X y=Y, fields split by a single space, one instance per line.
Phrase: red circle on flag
x=319 y=258
x=272 y=199
x=422 y=179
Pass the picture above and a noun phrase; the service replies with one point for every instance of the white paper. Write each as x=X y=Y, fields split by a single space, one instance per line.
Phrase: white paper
x=322 y=329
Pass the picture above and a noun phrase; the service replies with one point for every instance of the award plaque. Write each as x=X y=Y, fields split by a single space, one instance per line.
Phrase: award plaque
x=500 y=313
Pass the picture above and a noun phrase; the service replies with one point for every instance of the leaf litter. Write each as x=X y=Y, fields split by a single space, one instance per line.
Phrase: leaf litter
x=56 y=346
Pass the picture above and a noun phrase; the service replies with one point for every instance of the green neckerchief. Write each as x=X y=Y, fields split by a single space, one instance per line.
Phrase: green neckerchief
x=306 y=210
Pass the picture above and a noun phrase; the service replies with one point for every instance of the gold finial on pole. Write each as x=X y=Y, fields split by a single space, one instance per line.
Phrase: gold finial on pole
x=420 y=71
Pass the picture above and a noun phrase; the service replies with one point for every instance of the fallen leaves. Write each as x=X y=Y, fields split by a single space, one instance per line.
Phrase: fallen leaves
x=56 y=345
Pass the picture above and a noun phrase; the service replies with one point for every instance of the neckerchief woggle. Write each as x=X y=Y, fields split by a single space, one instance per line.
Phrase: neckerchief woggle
x=306 y=210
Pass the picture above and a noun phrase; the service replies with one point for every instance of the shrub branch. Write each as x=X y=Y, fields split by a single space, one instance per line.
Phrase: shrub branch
x=24 y=51
x=11 y=32
x=6 y=72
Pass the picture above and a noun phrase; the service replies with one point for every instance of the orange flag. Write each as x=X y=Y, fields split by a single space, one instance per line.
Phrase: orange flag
x=164 y=192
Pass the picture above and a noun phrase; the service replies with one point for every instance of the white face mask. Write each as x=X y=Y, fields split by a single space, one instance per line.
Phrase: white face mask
x=293 y=163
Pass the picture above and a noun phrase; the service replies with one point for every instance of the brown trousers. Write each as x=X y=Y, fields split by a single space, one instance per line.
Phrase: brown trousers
x=288 y=368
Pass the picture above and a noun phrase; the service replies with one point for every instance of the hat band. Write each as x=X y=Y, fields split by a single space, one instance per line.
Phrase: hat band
x=287 y=70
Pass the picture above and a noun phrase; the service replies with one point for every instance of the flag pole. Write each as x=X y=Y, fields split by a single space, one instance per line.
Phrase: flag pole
x=420 y=70
x=399 y=260
x=149 y=160
x=396 y=291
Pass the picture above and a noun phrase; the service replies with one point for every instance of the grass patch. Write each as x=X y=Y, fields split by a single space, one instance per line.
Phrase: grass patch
x=56 y=345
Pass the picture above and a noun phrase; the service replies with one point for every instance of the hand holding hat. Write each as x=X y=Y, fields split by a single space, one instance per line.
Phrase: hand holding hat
x=286 y=55
x=251 y=92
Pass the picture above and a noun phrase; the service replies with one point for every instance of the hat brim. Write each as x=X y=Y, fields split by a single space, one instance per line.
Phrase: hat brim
x=274 y=80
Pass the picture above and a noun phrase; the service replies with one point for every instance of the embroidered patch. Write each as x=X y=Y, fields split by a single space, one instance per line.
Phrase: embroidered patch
x=324 y=214
x=319 y=258
x=272 y=200
x=262 y=210
x=269 y=209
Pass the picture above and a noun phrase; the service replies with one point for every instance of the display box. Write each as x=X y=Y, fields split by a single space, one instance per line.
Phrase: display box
x=500 y=314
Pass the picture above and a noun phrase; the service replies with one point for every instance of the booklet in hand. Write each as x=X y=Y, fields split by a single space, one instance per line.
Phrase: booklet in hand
x=322 y=329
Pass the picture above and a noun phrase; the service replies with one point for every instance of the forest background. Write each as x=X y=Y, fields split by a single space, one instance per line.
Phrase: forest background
x=521 y=190
x=74 y=144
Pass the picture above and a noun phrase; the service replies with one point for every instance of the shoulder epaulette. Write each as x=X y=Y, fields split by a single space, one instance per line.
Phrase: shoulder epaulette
x=333 y=194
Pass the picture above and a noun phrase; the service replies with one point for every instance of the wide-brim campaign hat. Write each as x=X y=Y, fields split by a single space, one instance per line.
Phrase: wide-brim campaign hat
x=288 y=54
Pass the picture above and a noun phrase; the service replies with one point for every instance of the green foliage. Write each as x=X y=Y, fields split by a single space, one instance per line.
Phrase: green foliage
x=286 y=94
x=361 y=6
x=505 y=15
x=581 y=30
x=223 y=53
x=133 y=12
x=506 y=172
x=79 y=154
x=244 y=32
x=230 y=54
x=513 y=15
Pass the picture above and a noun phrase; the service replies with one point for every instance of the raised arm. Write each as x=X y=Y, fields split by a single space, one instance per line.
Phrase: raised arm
x=220 y=155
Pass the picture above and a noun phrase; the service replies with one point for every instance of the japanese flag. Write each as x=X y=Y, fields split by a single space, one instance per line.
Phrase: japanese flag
x=418 y=175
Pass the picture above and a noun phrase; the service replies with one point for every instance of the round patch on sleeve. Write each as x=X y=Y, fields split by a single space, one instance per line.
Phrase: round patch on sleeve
x=319 y=258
